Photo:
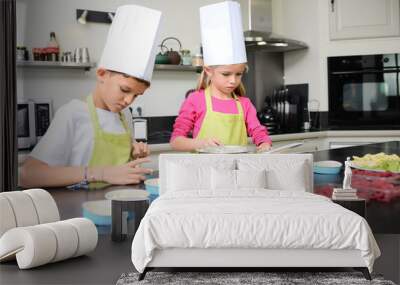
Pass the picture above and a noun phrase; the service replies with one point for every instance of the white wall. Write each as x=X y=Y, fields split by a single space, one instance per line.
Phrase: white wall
x=37 y=18
x=305 y=20
x=308 y=20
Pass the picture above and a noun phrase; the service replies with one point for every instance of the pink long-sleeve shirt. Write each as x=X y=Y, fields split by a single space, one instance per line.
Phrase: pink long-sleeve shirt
x=193 y=111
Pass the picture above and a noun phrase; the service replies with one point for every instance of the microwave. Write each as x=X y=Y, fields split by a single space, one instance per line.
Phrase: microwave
x=33 y=120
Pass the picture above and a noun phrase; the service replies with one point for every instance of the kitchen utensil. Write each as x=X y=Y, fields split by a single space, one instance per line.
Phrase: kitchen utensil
x=173 y=56
x=288 y=146
x=162 y=58
x=85 y=55
x=286 y=107
x=313 y=113
x=327 y=167
x=66 y=57
x=78 y=55
x=267 y=117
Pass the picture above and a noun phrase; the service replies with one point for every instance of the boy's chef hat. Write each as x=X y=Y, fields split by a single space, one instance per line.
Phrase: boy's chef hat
x=222 y=34
x=131 y=43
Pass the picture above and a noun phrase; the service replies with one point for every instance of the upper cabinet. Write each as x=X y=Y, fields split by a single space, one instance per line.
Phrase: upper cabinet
x=355 y=19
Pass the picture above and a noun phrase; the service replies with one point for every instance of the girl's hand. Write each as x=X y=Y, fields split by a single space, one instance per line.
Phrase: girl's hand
x=263 y=147
x=128 y=173
x=140 y=150
x=200 y=143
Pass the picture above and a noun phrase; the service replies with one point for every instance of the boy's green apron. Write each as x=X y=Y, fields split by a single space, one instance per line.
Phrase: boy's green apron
x=229 y=129
x=108 y=148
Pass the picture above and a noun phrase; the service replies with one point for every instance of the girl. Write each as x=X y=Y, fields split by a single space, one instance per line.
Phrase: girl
x=89 y=141
x=218 y=113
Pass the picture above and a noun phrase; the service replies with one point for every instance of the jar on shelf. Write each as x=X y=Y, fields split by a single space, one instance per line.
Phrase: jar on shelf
x=42 y=52
x=197 y=60
x=53 y=54
x=36 y=53
x=186 y=57
x=26 y=53
x=20 y=55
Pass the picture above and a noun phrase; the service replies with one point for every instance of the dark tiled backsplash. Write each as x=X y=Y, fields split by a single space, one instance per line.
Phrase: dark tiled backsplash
x=159 y=129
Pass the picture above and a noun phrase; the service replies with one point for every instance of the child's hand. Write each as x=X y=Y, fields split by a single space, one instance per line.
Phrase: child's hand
x=200 y=143
x=140 y=150
x=263 y=147
x=128 y=173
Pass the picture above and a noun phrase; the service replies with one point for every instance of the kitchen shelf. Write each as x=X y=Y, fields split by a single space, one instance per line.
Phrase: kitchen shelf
x=174 y=67
x=56 y=64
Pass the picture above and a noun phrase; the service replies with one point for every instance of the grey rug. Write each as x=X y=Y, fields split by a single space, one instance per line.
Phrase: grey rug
x=273 y=278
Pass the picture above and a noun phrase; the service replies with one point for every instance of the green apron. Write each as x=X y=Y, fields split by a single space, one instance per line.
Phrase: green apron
x=229 y=129
x=108 y=148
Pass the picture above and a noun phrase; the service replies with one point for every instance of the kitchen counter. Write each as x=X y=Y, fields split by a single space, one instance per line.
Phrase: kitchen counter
x=383 y=217
x=110 y=259
x=317 y=134
x=104 y=265
x=331 y=133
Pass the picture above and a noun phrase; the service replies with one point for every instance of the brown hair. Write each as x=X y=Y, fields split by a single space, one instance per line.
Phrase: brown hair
x=204 y=82
x=145 y=82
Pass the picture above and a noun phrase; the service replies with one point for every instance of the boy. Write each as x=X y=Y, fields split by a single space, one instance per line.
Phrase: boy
x=89 y=142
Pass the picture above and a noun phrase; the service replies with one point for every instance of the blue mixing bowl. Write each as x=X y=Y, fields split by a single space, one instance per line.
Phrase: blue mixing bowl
x=99 y=212
x=327 y=167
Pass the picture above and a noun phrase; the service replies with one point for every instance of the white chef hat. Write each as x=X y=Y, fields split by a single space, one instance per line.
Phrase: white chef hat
x=222 y=34
x=131 y=43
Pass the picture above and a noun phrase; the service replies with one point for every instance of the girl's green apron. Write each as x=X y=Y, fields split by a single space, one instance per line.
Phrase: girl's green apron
x=108 y=148
x=229 y=129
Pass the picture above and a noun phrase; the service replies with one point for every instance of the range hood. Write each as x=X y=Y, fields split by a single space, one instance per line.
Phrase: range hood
x=257 y=18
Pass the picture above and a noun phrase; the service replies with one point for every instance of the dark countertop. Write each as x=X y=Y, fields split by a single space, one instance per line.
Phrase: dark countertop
x=104 y=265
x=383 y=217
x=110 y=259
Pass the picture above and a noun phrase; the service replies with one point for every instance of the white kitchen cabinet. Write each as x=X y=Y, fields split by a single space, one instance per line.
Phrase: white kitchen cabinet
x=354 y=19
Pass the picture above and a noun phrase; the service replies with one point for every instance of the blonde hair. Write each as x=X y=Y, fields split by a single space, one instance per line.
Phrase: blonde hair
x=204 y=81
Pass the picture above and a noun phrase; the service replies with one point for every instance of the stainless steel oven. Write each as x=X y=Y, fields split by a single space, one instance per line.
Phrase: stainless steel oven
x=364 y=91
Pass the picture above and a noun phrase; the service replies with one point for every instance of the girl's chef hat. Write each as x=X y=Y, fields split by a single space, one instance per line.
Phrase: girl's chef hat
x=131 y=43
x=222 y=34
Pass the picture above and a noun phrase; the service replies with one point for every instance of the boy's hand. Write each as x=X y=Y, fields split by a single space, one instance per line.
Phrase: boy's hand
x=263 y=147
x=128 y=173
x=140 y=150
